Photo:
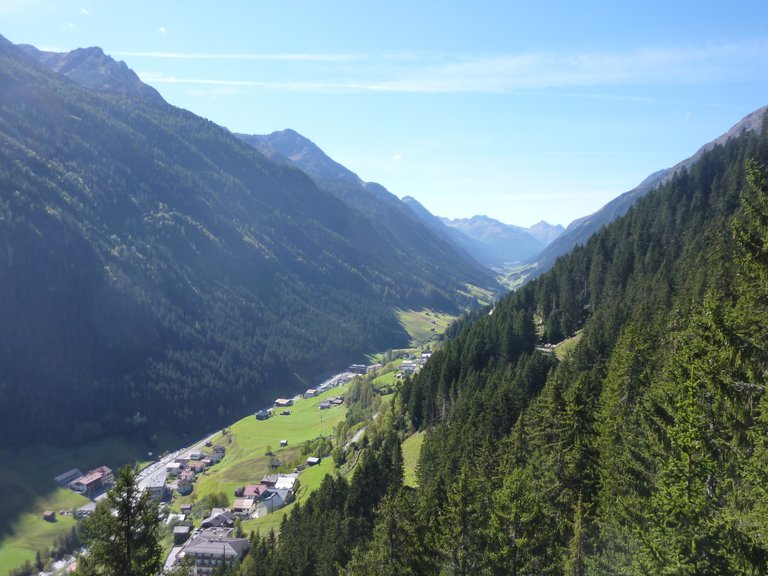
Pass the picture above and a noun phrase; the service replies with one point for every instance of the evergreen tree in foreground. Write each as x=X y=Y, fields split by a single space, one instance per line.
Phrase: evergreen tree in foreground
x=123 y=536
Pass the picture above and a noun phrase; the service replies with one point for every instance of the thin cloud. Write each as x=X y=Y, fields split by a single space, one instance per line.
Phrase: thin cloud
x=84 y=12
x=162 y=30
x=516 y=73
x=279 y=56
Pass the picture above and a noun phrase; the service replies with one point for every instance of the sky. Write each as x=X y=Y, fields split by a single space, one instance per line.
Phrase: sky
x=519 y=110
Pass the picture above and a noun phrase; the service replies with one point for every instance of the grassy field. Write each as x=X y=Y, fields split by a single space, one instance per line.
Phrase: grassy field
x=411 y=450
x=247 y=442
x=564 y=347
x=309 y=481
x=27 y=489
x=424 y=326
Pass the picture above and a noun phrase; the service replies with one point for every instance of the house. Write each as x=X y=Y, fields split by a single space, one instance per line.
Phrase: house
x=184 y=487
x=196 y=467
x=253 y=490
x=310 y=393
x=272 y=500
x=49 y=516
x=196 y=455
x=218 y=518
x=68 y=476
x=209 y=552
x=262 y=415
x=244 y=507
x=283 y=443
x=270 y=479
x=313 y=460
x=219 y=449
x=285 y=481
x=324 y=405
x=372 y=368
x=187 y=475
x=186 y=508
x=283 y=402
x=408 y=367
x=173 y=469
x=336 y=400
x=207 y=462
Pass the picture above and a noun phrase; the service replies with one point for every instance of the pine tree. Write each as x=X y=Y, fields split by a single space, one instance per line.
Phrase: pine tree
x=123 y=536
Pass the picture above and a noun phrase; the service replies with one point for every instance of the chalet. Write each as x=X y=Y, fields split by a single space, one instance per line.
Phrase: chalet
x=186 y=508
x=187 y=475
x=324 y=405
x=49 y=516
x=272 y=500
x=219 y=449
x=254 y=490
x=313 y=460
x=283 y=443
x=310 y=393
x=209 y=552
x=270 y=480
x=218 y=518
x=336 y=400
x=262 y=415
x=244 y=507
x=285 y=481
x=283 y=402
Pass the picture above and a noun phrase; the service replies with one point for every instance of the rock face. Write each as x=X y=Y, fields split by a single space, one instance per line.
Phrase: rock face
x=93 y=69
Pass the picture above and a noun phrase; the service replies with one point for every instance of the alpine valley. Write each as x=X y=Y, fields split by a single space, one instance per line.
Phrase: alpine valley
x=607 y=417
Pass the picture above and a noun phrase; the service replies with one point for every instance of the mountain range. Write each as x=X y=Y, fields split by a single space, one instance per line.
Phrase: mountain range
x=159 y=272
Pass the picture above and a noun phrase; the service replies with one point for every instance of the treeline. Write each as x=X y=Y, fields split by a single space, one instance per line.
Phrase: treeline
x=643 y=451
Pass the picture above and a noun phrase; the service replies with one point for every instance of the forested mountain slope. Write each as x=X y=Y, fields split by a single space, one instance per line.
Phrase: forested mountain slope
x=157 y=272
x=389 y=215
x=641 y=451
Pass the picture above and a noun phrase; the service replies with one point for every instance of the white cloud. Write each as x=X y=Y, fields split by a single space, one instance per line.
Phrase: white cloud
x=161 y=30
x=397 y=156
x=84 y=12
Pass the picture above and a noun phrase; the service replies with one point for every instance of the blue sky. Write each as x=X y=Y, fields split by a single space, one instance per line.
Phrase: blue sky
x=519 y=110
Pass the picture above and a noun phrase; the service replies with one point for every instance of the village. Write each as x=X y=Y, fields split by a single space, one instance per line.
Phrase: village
x=215 y=539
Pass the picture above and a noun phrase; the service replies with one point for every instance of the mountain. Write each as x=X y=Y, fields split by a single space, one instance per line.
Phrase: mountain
x=608 y=417
x=93 y=69
x=580 y=230
x=159 y=273
x=546 y=232
x=503 y=243
x=416 y=239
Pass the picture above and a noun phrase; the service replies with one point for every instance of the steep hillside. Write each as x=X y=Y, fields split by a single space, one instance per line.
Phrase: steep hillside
x=389 y=216
x=579 y=231
x=158 y=272
x=641 y=451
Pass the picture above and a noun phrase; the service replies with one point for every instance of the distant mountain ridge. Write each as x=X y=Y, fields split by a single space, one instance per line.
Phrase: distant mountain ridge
x=579 y=231
x=415 y=236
